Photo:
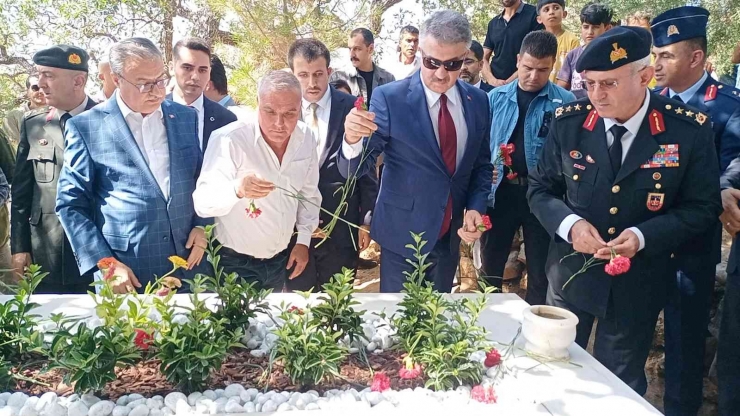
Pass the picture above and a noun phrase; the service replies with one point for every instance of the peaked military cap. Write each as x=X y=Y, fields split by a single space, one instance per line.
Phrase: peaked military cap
x=679 y=24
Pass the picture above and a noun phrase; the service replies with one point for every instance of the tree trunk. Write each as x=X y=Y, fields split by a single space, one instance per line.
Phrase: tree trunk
x=377 y=8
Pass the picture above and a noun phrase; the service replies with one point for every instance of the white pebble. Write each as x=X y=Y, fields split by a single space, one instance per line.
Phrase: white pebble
x=2 y=403
x=5 y=396
x=73 y=398
x=373 y=398
x=77 y=409
x=245 y=397
x=233 y=390
x=386 y=342
x=101 y=408
x=372 y=347
x=32 y=402
x=258 y=353
x=154 y=404
x=135 y=396
x=233 y=407
x=384 y=405
x=134 y=403
x=140 y=410
x=156 y=412
x=121 y=411
x=354 y=350
x=312 y=406
x=253 y=343
x=158 y=397
x=269 y=406
x=285 y=407
x=210 y=394
x=167 y=412
x=54 y=409
x=193 y=397
x=249 y=407
x=28 y=411
x=171 y=399
x=89 y=399
x=181 y=408
x=279 y=399
x=45 y=400
x=491 y=372
x=9 y=411
x=219 y=393
x=17 y=399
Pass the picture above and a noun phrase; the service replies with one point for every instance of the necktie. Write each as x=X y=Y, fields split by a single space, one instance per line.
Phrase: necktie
x=312 y=119
x=448 y=146
x=677 y=98
x=615 y=150
x=63 y=120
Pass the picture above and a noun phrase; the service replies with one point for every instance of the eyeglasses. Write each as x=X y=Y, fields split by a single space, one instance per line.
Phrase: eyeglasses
x=149 y=86
x=606 y=85
x=469 y=61
x=35 y=88
x=434 y=64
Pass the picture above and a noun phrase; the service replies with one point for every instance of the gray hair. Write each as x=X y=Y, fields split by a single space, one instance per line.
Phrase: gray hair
x=277 y=81
x=639 y=64
x=137 y=48
x=447 y=27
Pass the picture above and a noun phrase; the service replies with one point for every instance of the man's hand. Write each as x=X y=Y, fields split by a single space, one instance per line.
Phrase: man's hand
x=254 y=188
x=20 y=261
x=318 y=233
x=358 y=124
x=469 y=231
x=586 y=238
x=197 y=245
x=498 y=82
x=128 y=280
x=363 y=237
x=626 y=245
x=299 y=259
x=494 y=178
x=731 y=215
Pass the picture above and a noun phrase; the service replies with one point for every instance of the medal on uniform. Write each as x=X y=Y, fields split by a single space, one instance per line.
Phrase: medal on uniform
x=577 y=166
x=575 y=154
x=589 y=159
x=43 y=142
x=655 y=201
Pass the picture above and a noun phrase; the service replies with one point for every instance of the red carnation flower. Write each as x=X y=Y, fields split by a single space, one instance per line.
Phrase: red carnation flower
x=493 y=358
x=410 y=370
x=617 y=265
x=486 y=224
x=381 y=383
x=253 y=211
x=163 y=291
x=360 y=104
x=142 y=339
x=483 y=394
x=511 y=175
x=295 y=309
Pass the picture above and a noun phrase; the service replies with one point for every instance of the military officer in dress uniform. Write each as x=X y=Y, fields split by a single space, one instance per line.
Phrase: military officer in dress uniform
x=36 y=234
x=680 y=48
x=627 y=173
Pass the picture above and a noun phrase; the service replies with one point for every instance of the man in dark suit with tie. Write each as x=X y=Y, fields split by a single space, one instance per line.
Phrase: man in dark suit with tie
x=434 y=130
x=324 y=111
x=627 y=173
x=680 y=49
x=192 y=67
x=37 y=235
x=472 y=66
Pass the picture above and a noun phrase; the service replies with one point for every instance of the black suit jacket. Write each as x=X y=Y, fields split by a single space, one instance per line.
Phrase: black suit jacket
x=215 y=116
x=362 y=200
x=485 y=86
x=731 y=179
x=668 y=204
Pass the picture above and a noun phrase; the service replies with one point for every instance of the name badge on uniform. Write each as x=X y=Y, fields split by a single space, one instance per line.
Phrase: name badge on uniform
x=665 y=157
x=655 y=201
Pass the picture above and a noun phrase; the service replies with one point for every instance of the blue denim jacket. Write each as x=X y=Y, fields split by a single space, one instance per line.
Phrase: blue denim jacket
x=505 y=113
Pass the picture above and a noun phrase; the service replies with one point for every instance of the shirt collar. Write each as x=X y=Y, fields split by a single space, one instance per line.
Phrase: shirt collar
x=477 y=84
x=518 y=9
x=224 y=100
x=126 y=111
x=633 y=124
x=433 y=97
x=323 y=102
x=197 y=104
x=686 y=95
x=73 y=112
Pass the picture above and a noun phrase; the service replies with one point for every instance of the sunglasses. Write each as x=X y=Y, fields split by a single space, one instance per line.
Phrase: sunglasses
x=449 y=66
x=35 y=88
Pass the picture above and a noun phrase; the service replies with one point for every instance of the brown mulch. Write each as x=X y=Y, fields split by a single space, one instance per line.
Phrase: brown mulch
x=145 y=378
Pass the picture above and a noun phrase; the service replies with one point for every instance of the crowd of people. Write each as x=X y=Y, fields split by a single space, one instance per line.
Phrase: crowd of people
x=563 y=136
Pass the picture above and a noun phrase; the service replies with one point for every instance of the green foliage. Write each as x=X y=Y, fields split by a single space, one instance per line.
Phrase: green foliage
x=337 y=312
x=7 y=382
x=238 y=300
x=18 y=335
x=308 y=350
x=438 y=331
x=190 y=352
x=88 y=356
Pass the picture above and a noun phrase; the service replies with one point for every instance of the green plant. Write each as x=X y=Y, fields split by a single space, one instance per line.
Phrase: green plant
x=336 y=309
x=308 y=350
x=238 y=300
x=90 y=356
x=438 y=331
x=191 y=351
x=7 y=382
x=18 y=334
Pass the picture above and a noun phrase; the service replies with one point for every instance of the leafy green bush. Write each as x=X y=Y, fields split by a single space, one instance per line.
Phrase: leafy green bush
x=336 y=308
x=18 y=334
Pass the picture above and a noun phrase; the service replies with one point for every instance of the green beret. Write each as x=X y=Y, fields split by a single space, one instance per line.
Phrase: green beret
x=615 y=48
x=62 y=56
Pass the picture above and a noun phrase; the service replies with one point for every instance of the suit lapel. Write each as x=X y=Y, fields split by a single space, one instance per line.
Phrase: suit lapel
x=53 y=130
x=642 y=149
x=471 y=144
x=119 y=129
x=209 y=122
x=336 y=118
x=420 y=114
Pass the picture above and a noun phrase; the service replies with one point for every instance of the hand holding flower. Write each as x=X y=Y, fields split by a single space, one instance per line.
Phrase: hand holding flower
x=627 y=244
x=254 y=187
x=120 y=276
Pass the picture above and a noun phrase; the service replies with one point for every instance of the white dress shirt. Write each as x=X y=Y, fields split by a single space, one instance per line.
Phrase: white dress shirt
x=401 y=70
x=454 y=106
x=198 y=106
x=323 y=111
x=633 y=126
x=74 y=112
x=238 y=150
x=151 y=137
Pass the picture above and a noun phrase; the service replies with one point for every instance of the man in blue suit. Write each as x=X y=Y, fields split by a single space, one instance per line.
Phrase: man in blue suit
x=192 y=68
x=434 y=130
x=130 y=167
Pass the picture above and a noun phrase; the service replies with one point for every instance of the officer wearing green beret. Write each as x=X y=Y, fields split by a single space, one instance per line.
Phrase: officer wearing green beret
x=629 y=173
x=36 y=235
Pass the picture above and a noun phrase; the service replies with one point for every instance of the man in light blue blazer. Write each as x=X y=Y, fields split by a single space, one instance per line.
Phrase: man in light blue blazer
x=434 y=132
x=130 y=167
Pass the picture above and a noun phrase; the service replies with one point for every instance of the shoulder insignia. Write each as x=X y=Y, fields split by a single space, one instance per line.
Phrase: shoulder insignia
x=701 y=118
x=657 y=125
x=36 y=112
x=578 y=107
x=711 y=93
x=591 y=120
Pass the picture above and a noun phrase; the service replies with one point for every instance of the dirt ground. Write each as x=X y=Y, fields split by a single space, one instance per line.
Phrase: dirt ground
x=515 y=281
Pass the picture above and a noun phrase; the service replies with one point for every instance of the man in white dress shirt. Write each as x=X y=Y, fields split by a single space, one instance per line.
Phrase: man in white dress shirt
x=192 y=68
x=252 y=173
x=407 y=61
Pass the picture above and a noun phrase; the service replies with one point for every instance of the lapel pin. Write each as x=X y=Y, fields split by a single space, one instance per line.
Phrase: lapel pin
x=213 y=119
x=575 y=154
x=469 y=99
x=172 y=116
x=589 y=159
x=43 y=142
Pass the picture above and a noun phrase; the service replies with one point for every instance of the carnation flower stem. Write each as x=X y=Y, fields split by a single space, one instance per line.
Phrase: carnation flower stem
x=593 y=261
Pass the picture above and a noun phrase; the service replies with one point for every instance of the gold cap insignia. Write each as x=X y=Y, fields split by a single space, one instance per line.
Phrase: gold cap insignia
x=74 y=59
x=618 y=53
x=672 y=30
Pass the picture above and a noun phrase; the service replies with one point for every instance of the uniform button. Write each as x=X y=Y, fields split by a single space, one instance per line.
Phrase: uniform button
x=612 y=230
x=658 y=186
x=613 y=210
x=673 y=255
x=615 y=189
x=575 y=177
x=165 y=238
